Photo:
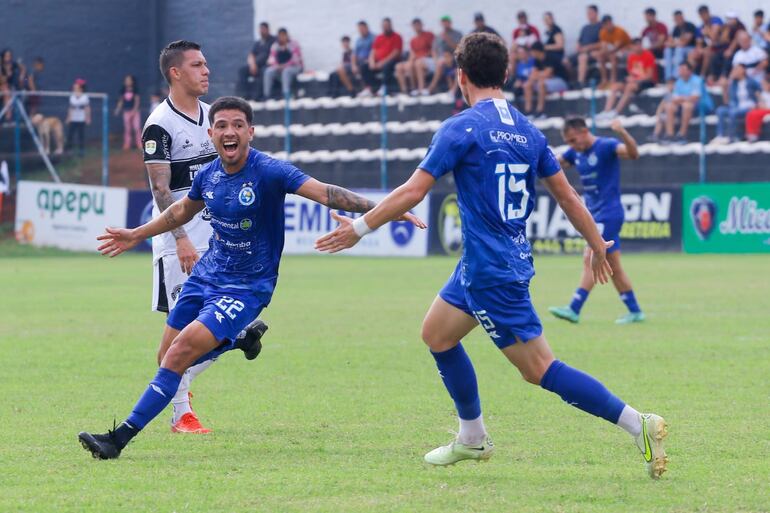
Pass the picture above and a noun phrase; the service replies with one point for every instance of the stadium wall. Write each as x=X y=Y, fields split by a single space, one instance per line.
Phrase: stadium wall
x=319 y=35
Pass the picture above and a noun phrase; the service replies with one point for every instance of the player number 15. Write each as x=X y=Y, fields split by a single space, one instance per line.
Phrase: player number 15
x=513 y=183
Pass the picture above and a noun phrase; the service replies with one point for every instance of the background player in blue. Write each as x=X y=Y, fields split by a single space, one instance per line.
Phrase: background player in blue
x=244 y=191
x=495 y=154
x=597 y=160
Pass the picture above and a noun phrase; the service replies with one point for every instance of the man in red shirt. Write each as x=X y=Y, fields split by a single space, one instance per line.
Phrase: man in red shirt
x=523 y=35
x=412 y=72
x=385 y=54
x=655 y=32
x=642 y=74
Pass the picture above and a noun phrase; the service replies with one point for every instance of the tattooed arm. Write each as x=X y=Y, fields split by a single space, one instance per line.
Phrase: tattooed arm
x=334 y=196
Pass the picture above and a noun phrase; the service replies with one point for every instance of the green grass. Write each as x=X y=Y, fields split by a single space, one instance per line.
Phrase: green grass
x=336 y=413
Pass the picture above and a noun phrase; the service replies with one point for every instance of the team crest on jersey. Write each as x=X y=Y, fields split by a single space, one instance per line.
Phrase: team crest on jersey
x=246 y=197
x=245 y=224
x=593 y=159
x=150 y=147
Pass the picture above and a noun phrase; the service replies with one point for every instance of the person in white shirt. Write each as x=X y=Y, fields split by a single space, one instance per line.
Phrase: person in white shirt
x=78 y=116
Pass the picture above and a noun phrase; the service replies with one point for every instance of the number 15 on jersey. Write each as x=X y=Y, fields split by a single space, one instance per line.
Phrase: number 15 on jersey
x=512 y=179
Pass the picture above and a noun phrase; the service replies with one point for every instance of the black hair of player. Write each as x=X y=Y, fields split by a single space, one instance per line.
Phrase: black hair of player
x=574 y=123
x=650 y=11
x=231 y=103
x=171 y=56
x=483 y=58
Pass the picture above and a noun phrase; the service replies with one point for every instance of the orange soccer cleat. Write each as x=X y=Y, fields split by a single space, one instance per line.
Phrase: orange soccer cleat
x=189 y=423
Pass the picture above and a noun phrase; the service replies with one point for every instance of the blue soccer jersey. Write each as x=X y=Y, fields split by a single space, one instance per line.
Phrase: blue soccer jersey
x=495 y=154
x=599 y=168
x=247 y=217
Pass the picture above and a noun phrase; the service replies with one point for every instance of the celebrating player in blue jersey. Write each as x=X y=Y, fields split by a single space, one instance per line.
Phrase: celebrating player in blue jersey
x=496 y=154
x=597 y=159
x=244 y=191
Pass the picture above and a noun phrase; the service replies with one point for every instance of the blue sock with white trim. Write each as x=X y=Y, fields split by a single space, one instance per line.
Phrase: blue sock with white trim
x=582 y=391
x=456 y=370
x=157 y=396
x=578 y=299
x=629 y=299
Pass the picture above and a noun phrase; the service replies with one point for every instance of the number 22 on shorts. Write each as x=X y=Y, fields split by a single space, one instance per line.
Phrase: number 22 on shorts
x=230 y=306
x=486 y=323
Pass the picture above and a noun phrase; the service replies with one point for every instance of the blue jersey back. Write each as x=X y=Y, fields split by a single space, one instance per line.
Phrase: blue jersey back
x=247 y=217
x=495 y=154
x=599 y=168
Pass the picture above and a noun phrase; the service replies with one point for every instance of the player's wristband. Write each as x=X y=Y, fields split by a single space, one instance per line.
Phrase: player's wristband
x=360 y=227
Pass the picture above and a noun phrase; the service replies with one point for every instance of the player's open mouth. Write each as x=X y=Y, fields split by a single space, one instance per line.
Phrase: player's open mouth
x=230 y=147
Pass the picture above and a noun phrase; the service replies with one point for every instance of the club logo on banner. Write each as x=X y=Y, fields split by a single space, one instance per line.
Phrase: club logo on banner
x=703 y=214
x=450 y=226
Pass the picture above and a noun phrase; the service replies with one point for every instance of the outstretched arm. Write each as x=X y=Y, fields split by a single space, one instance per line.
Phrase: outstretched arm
x=396 y=205
x=118 y=240
x=334 y=196
x=581 y=219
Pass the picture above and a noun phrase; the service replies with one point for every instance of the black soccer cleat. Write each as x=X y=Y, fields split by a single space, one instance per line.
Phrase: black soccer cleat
x=103 y=447
x=250 y=341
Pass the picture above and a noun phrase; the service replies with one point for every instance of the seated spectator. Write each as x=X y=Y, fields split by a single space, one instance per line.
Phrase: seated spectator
x=751 y=57
x=683 y=99
x=343 y=74
x=385 y=54
x=679 y=46
x=261 y=51
x=78 y=116
x=286 y=59
x=706 y=38
x=443 y=55
x=549 y=76
x=49 y=128
x=523 y=35
x=755 y=116
x=5 y=96
x=656 y=33
x=614 y=41
x=554 y=37
x=744 y=92
x=525 y=64
x=587 y=44
x=642 y=74
x=33 y=81
x=411 y=72
x=362 y=49
x=760 y=33
x=479 y=25
x=724 y=48
x=249 y=84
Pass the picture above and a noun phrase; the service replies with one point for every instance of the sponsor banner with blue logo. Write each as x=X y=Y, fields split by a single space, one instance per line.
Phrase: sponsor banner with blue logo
x=139 y=212
x=727 y=218
x=652 y=223
x=306 y=220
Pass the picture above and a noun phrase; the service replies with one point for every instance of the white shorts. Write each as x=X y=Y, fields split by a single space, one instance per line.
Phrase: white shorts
x=430 y=64
x=167 y=281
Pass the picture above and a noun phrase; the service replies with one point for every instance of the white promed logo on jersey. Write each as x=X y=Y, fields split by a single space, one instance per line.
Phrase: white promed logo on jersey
x=150 y=147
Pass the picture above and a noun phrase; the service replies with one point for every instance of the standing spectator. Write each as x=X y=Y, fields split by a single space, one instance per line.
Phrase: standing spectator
x=5 y=95
x=78 y=116
x=479 y=25
x=443 y=55
x=679 y=46
x=386 y=52
x=523 y=35
x=614 y=41
x=706 y=38
x=755 y=116
x=128 y=105
x=549 y=76
x=760 y=33
x=261 y=52
x=286 y=59
x=686 y=96
x=744 y=92
x=655 y=33
x=11 y=70
x=587 y=44
x=33 y=82
x=249 y=79
x=342 y=76
x=642 y=74
x=554 y=37
x=362 y=50
x=411 y=72
x=155 y=99
x=724 y=48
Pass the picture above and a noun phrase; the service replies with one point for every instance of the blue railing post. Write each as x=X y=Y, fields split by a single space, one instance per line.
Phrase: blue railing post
x=702 y=112
x=16 y=136
x=384 y=139
x=287 y=124
x=105 y=140
x=592 y=106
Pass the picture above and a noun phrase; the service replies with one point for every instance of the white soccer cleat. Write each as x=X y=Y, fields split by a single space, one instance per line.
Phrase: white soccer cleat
x=455 y=451
x=650 y=442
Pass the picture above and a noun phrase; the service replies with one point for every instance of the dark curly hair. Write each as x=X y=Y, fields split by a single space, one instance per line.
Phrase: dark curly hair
x=483 y=58
x=231 y=103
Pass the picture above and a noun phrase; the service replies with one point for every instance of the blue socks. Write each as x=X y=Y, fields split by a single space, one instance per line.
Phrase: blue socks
x=578 y=299
x=157 y=396
x=630 y=300
x=582 y=391
x=456 y=370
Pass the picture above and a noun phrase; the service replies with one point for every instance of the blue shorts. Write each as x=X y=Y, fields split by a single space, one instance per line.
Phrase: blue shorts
x=505 y=311
x=610 y=230
x=224 y=311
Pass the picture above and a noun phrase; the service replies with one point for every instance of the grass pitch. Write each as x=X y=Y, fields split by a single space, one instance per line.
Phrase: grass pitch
x=337 y=412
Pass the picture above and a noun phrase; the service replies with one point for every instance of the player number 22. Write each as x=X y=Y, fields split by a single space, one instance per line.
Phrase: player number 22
x=230 y=306
x=511 y=183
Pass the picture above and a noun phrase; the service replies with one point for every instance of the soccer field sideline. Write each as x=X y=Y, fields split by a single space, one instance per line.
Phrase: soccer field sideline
x=337 y=412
